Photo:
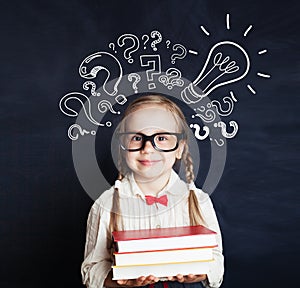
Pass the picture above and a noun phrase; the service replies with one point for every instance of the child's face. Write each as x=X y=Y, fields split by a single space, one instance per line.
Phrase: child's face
x=149 y=164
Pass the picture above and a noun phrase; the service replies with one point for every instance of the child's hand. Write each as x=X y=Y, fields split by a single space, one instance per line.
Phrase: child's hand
x=191 y=278
x=141 y=281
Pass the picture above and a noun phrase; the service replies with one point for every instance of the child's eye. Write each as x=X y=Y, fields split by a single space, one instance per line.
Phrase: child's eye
x=162 y=138
x=136 y=138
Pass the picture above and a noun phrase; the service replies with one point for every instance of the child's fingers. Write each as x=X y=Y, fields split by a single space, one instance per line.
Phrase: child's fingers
x=191 y=277
x=180 y=278
x=195 y=278
x=150 y=279
x=139 y=281
x=121 y=282
x=201 y=277
x=135 y=282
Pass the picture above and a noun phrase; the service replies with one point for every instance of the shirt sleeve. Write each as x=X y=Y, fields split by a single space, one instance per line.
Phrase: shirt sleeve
x=216 y=271
x=97 y=255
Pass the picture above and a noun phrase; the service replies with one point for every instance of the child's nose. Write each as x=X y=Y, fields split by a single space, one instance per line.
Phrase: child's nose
x=148 y=148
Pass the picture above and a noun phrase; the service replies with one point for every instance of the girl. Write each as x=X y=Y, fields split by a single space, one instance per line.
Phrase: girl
x=151 y=138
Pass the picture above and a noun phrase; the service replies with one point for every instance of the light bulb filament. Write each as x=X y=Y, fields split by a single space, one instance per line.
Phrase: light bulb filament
x=218 y=62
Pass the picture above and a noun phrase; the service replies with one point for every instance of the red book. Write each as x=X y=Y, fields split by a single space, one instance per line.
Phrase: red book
x=164 y=238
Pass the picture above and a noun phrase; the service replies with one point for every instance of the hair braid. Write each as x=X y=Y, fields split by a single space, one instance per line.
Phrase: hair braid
x=195 y=214
x=115 y=215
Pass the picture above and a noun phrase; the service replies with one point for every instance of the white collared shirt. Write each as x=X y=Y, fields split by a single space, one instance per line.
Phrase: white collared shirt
x=136 y=214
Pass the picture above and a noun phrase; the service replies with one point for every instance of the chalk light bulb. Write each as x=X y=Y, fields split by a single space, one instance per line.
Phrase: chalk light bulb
x=214 y=70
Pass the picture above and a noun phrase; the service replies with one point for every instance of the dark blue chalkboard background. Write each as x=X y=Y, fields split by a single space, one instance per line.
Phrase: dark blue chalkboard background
x=43 y=207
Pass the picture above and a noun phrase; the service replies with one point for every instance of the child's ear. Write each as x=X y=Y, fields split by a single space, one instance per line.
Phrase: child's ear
x=180 y=149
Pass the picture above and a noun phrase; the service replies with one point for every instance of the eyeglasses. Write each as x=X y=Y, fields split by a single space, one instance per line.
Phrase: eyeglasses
x=164 y=142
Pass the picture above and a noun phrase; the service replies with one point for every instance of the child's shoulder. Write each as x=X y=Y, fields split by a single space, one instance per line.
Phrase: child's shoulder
x=201 y=195
x=106 y=197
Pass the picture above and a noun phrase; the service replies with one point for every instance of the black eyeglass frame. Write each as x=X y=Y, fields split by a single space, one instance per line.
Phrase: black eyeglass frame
x=150 y=138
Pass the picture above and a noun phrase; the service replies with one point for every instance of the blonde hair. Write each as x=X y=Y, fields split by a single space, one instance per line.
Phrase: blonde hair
x=195 y=215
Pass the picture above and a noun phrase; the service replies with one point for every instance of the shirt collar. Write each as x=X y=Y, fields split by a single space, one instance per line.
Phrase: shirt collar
x=130 y=188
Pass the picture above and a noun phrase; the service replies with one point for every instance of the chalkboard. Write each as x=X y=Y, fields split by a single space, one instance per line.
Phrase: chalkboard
x=44 y=205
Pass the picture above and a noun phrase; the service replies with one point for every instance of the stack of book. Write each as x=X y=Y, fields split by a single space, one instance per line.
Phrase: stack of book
x=163 y=252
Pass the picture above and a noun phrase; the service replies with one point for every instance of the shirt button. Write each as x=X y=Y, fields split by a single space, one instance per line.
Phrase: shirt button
x=157 y=226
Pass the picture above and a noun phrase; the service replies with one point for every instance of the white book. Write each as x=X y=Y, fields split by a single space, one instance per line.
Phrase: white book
x=163 y=256
x=160 y=270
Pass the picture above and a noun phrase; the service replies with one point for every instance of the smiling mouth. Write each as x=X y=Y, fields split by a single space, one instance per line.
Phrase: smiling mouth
x=148 y=162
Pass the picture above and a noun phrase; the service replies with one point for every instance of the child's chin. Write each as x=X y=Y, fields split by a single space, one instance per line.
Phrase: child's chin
x=149 y=173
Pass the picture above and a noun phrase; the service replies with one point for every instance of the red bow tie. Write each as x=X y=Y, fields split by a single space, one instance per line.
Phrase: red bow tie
x=162 y=200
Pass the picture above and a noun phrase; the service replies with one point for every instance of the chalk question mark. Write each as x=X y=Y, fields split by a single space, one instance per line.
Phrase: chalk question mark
x=132 y=48
x=171 y=78
x=82 y=99
x=154 y=62
x=222 y=112
x=224 y=131
x=92 y=65
x=168 y=42
x=216 y=141
x=86 y=85
x=198 y=129
x=81 y=131
x=137 y=80
x=112 y=46
x=145 y=41
x=180 y=55
x=155 y=34
x=105 y=105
